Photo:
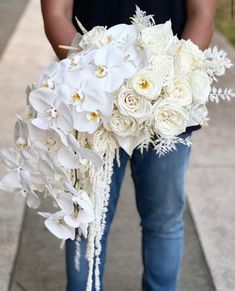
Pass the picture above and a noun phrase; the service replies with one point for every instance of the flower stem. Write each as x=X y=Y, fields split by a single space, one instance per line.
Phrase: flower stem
x=76 y=171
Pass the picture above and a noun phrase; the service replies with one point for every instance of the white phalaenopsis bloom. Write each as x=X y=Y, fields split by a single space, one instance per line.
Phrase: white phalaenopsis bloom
x=129 y=86
x=86 y=93
x=111 y=67
x=82 y=213
x=18 y=180
x=21 y=134
x=69 y=157
x=52 y=111
x=56 y=224
x=49 y=77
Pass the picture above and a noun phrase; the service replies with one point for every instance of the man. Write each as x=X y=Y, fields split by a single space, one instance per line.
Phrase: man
x=159 y=182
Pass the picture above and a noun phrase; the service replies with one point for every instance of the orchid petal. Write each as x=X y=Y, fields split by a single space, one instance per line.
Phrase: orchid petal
x=81 y=123
x=123 y=33
x=83 y=152
x=108 y=56
x=10 y=182
x=60 y=229
x=33 y=201
x=42 y=99
x=64 y=120
x=67 y=159
x=10 y=157
x=40 y=122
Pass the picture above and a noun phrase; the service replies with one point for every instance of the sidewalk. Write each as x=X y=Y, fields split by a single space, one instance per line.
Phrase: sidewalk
x=211 y=183
x=20 y=63
x=39 y=264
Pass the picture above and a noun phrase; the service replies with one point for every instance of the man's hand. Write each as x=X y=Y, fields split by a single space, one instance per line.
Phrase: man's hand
x=200 y=24
x=59 y=29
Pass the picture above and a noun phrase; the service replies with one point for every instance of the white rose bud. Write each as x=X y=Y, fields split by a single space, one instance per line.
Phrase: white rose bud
x=97 y=37
x=200 y=86
x=163 y=64
x=157 y=37
x=148 y=84
x=131 y=104
x=188 y=57
x=169 y=118
x=122 y=125
x=181 y=92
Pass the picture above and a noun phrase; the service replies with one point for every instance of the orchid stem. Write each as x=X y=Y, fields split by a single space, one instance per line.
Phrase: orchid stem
x=76 y=171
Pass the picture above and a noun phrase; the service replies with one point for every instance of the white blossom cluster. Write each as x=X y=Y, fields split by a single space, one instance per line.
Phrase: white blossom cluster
x=130 y=85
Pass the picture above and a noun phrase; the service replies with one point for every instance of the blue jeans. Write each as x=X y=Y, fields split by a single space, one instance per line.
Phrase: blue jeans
x=160 y=200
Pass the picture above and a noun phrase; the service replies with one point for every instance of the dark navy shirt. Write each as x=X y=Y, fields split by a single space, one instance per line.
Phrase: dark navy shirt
x=112 y=12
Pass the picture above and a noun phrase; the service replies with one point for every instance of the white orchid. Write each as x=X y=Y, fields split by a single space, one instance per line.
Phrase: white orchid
x=51 y=76
x=52 y=111
x=57 y=226
x=53 y=139
x=32 y=199
x=19 y=181
x=86 y=92
x=81 y=60
x=83 y=212
x=71 y=156
x=21 y=134
x=122 y=34
x=86 y=121
x=111 y=68
x=63 y=198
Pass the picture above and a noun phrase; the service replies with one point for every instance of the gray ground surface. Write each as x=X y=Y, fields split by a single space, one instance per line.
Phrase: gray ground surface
x=10 y=11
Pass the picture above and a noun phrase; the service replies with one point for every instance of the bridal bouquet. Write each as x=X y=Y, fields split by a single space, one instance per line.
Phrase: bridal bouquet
x=130 y=86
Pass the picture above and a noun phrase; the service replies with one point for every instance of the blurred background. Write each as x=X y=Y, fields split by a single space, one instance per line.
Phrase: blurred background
x=30 y=257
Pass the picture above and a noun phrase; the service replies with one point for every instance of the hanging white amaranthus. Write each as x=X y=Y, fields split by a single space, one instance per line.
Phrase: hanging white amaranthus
x=130 y=86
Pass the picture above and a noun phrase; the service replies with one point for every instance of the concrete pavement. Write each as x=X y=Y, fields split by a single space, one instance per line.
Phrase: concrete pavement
x=39 y=264
x=12 y=9
x=25 y=54
x=211 y=183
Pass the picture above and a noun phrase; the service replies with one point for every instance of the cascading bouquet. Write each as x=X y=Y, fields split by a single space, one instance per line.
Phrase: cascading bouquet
x=130 y=86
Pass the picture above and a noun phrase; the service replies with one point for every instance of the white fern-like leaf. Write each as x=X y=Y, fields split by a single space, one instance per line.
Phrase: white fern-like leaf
x=217 y=94
x=216 y=62
x=163 y=146
x=141 y=20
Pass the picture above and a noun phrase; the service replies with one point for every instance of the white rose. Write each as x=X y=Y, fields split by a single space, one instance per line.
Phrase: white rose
x=181 y=92
x=188 y=57
x=157 y=37
x=122 y=125
x=200 y=86
x=164 y=64
x=96 y=37
x=147 y=83
x=170 y=119
x=131 y=104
